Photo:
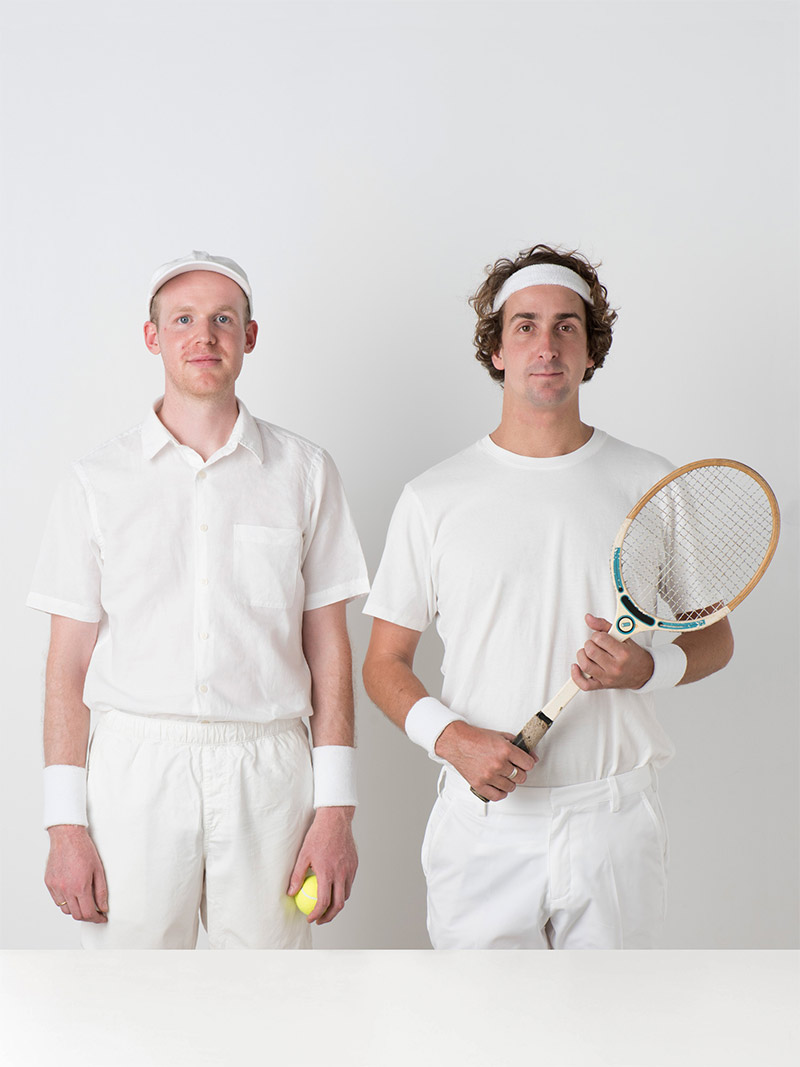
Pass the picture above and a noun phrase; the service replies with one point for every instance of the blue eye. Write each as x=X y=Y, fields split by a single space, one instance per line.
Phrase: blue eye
x=223 y=318
x=183 y=319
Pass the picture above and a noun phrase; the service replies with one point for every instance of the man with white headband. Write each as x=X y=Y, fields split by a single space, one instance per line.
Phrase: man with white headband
x=505 y=546
x=197 y=569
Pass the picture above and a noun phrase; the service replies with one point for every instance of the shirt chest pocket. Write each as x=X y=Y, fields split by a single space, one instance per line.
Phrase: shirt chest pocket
x=266 y=565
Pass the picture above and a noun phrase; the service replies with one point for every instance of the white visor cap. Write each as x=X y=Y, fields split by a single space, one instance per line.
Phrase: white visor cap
x=200 y=261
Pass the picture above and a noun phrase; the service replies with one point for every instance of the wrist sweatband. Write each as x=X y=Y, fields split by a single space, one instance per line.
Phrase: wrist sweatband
x=669 y=666
x=334 y=776
x=64 y=795
x=426 y=720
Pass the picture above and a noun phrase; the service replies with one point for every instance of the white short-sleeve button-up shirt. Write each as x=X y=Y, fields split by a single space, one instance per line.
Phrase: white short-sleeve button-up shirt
x=198 y=573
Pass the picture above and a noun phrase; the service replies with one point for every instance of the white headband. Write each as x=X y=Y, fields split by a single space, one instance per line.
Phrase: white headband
x=542 y=274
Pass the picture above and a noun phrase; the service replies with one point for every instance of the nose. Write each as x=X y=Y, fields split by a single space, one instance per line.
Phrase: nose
x=548 y=348
x=206 y=333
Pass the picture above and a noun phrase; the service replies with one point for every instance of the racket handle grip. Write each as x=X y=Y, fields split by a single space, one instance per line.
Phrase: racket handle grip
x=527 y=739
x=532 y=732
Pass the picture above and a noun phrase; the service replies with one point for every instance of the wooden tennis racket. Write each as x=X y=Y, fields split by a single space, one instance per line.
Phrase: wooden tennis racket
x=692 y=549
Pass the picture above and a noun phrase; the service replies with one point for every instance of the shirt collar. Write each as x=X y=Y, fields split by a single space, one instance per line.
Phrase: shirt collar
x=156 y=436
x=246 y=433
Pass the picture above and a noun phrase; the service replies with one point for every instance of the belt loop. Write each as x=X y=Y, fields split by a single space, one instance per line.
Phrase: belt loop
x=613 y=787
x=441 y=781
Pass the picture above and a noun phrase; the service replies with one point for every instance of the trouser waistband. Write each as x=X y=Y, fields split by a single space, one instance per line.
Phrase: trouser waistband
x=191 y=732
x=540 y=800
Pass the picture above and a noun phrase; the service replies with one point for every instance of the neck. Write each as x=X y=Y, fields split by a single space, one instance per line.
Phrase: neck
x=542 y=435
x=203 y=424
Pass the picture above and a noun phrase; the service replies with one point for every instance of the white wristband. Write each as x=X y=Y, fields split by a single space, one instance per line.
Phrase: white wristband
x=64 y=795
x=669 y=666
x=425 y=722
x=334 y=776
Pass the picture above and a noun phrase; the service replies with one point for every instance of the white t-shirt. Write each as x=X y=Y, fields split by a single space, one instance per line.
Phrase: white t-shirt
x=507 y=554
x=199 y=572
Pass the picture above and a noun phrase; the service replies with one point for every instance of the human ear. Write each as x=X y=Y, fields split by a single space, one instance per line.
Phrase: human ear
x=151 y=338
x=250 y=335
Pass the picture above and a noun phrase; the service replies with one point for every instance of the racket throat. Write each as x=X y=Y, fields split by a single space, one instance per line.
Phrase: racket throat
x=624 y=624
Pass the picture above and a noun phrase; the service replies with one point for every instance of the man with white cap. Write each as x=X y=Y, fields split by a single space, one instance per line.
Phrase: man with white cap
x=197 y=569
x=505 y=546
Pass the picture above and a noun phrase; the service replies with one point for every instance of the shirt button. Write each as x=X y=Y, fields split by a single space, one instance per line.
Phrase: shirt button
x=203 y=528
x=201 y=474
x=204 y=637
x=204 y=581
x=203 y=688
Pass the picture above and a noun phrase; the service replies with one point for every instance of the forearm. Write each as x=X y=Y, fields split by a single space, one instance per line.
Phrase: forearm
x=707 y=650
x=392 y=685
x=66 y=717
x=66 y=735
x=333 y=738
x=326 y=646
x=66 y=730
x=332 y=721
x=331 y=665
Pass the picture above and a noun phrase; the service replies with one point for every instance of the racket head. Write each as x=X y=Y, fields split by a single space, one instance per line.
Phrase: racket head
x=694 y=546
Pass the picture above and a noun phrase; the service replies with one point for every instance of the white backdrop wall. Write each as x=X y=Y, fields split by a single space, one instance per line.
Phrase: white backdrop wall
x=364 y=161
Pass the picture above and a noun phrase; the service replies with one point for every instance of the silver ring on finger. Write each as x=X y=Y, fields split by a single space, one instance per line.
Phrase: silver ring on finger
x=513 y=774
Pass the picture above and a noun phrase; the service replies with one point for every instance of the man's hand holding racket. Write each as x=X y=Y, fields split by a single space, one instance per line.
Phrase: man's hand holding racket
x=487 y=759
x=606 y=663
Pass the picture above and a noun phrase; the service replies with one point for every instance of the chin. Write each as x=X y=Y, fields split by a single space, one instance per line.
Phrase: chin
x=548 y=399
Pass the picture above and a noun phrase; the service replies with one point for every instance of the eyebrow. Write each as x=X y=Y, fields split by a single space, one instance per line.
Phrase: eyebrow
x=536 y=315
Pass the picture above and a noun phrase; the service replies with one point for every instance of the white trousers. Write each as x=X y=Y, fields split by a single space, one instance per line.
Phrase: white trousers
x=200 y=820
x=572 y=867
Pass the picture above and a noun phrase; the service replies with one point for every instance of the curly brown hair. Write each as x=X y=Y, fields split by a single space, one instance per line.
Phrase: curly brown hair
x=600 y=317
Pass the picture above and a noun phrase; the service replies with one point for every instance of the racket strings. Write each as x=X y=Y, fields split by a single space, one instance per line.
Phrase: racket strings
x=697 y=543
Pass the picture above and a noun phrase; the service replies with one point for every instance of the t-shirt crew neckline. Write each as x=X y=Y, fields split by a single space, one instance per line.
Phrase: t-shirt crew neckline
x=550 y=463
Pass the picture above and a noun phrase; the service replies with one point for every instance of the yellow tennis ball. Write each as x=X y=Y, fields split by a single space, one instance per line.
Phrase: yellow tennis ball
x=306 y=898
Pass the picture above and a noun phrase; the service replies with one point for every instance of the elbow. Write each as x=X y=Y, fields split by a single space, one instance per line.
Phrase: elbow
x=724 y=649
x=728 y=649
